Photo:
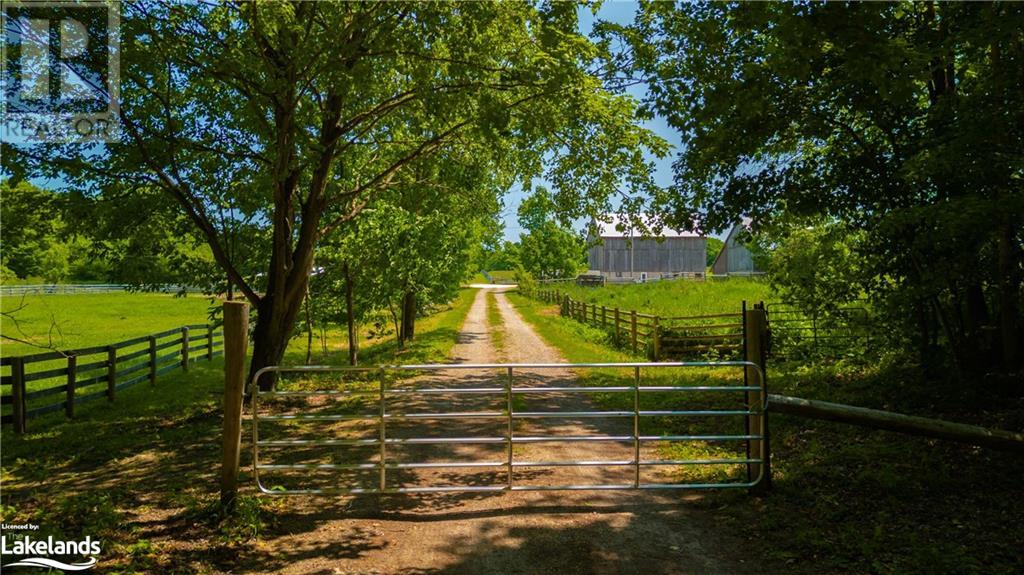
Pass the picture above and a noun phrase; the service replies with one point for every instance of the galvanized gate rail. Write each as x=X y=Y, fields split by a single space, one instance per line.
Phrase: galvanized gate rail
x=754 y=414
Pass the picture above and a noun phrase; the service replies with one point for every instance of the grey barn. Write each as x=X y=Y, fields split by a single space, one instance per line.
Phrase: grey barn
x=616 y=252
x=735 y=258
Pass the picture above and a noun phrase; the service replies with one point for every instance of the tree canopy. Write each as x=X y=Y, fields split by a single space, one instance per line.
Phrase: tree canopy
x=279 y=123
x=899 y=119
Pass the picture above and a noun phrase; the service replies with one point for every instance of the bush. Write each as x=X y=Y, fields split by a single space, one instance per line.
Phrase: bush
x=527 y=284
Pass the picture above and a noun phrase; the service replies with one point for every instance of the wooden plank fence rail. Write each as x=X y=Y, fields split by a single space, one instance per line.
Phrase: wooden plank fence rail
x=660 y=337
x=101 y=371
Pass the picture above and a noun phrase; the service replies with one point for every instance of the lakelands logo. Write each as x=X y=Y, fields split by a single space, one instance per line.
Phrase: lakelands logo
x=31 y=548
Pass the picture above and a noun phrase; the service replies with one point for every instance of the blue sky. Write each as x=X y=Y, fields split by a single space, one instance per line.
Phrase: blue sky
x=620 y=13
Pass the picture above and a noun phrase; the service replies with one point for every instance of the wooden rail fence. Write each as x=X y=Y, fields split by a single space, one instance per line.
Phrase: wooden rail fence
x=96 y=372
x=659 y=337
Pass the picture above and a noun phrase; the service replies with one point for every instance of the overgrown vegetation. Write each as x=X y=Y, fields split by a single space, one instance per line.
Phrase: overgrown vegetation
x=887 y=125
x=674 y=298
x=853 y=499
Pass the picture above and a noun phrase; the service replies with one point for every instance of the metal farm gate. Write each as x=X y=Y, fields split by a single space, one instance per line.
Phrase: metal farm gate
x=359 y=431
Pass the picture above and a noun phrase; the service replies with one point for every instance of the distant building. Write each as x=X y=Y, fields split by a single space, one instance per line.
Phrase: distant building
x=617 y=252
x=735 y=258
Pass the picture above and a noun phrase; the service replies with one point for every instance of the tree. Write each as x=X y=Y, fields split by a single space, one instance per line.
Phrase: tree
x=714 y=246
x=295 y=116
x=816 y=267
x=548 y=250
x=30 y=232
x=551 y=251
x=899 y=119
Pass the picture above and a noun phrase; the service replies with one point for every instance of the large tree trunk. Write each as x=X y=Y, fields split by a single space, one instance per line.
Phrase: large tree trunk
x=353 y=338
x=274 y=325
x=309 y=329
x=409 y=316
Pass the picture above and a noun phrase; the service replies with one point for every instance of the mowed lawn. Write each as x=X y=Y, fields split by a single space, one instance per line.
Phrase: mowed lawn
x=675 y=298
x=83 y=320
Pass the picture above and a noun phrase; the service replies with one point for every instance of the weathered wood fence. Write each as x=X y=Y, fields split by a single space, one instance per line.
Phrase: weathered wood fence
x=97 y=372
x=659 y=337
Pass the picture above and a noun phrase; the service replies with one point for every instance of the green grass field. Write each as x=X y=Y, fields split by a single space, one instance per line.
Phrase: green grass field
x=84 y=320
x=674 y=298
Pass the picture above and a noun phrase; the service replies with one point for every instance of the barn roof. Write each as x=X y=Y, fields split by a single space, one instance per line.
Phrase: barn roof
x=619 y=227
x=745 y=224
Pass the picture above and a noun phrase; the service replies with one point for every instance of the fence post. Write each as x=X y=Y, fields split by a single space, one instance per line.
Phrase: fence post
x=184 y=349
x=236 y=343
x=617 y=326
x=656 y=339
x=604 y=316
x=69 y=405
x=209 y=342
x=755 y=329
x=632 y=327
x=111 y=372
x=152 y=360
x=18 y=393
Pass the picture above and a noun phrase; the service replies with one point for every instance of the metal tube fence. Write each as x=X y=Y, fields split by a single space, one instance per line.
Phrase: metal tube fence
x=504 y=389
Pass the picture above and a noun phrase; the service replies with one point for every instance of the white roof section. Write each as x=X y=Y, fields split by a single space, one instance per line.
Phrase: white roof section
x=619 y=227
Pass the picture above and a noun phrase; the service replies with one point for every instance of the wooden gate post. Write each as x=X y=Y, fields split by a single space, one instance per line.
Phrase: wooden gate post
x=184 y=348
x=111 y=372
x=632 y=327
x=69 y=395
x=656 y=339
x=152 y=360
x=236 y=343
x=756 y=332
x=18 y=394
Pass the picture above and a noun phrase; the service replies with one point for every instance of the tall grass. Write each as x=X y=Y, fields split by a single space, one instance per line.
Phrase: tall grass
x=675 y=298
